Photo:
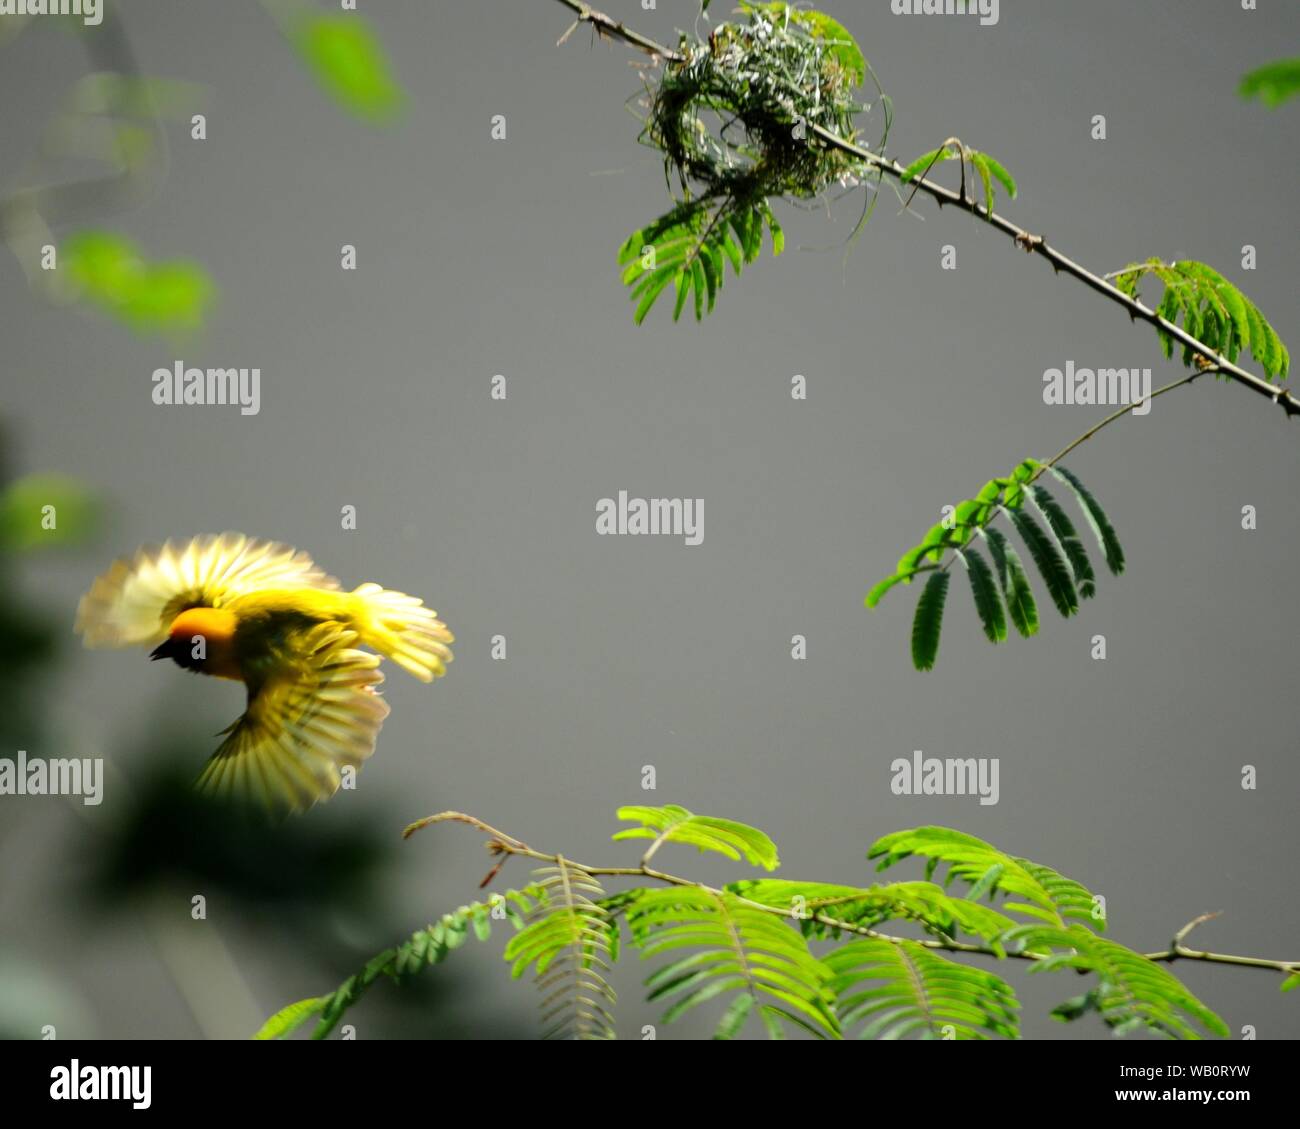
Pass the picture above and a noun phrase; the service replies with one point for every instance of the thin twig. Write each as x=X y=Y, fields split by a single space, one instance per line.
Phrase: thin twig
x=1046 y=465
x=461 y=817
x=1178 y=951
x=607 y=25
x=1036 y=244
x=1185 y=379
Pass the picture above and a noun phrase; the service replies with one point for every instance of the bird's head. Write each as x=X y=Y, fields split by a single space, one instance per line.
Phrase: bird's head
x=196 y=636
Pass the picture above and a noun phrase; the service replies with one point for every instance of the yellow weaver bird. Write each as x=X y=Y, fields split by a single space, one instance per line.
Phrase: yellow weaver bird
x=263 y=614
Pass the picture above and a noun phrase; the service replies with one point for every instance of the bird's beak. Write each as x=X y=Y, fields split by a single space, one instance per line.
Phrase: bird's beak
x=162 y=651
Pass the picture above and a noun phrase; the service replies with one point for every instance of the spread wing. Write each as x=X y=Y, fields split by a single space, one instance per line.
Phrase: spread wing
x=304 y=723
x=136 y=600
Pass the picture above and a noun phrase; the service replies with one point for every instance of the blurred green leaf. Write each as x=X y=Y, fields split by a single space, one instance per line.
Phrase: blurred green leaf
x=1273 y=83
x=135 y=96
x=350 y=64
x=108 y=271
x=46 y=510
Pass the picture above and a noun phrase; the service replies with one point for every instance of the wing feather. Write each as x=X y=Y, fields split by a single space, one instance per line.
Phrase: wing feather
x=303 y=725
x=135 y=601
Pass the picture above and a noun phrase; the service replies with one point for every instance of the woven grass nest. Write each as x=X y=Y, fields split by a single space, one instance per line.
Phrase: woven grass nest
x=734 y=116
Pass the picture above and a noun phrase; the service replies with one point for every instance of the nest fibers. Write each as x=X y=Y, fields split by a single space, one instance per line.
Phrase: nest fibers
x=734 y=116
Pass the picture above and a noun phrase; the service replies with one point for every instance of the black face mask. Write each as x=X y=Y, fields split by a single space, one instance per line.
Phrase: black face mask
x=180 y=653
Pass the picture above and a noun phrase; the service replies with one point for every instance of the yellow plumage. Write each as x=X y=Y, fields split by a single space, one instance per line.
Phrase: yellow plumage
x=262 y=613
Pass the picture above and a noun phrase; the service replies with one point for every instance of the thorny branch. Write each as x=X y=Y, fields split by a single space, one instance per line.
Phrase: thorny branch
x=1032 y=244
x=504 y=846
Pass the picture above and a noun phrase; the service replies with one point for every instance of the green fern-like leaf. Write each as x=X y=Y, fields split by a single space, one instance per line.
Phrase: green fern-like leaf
x=816 y=905
x=897 y=989
x=1212 y=310
x=1051 y=565
x=1004 y=592
x=689 y=247
x=985 y=593
x=927 y=625
x=288 y=1019
x=1132 y=991
x=735 y=950
x=903 y=576
x=1045 y=894
x=674 y=824
x=1013 y=581
x=567 y=944
x=1067 y=540
x=1097 y=519
x=426 y=947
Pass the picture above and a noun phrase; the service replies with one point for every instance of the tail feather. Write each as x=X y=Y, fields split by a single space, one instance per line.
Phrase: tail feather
x=402 y=629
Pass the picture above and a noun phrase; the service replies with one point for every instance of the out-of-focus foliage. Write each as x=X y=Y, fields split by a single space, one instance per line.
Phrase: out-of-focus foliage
x=1273 y=83
x=117 y=119
x=110 y=123
x=27 y=649
x=349 y=62
x=112 y=117
x=168 y=833
x=28 y=638
x=47 y=511
x=109 y=272
x=31 y=996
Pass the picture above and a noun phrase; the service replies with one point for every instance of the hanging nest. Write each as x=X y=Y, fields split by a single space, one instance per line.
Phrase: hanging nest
x=735 y=116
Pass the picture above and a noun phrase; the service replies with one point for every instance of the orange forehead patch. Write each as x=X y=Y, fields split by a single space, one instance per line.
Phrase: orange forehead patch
x=217 y=625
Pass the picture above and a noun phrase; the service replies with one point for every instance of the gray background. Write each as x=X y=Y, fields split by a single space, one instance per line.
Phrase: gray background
x=480 y=257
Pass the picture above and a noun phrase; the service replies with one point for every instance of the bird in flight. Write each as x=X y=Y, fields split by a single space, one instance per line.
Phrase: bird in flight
x=263 y=614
